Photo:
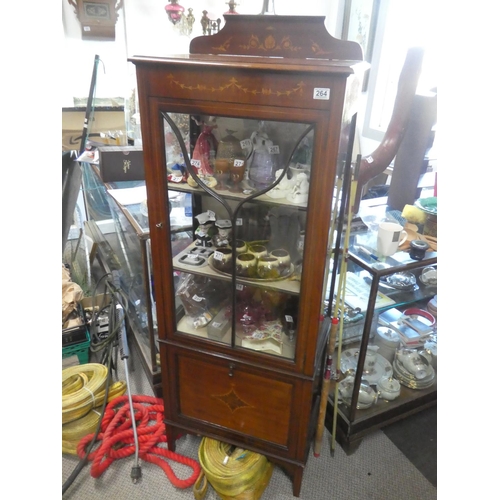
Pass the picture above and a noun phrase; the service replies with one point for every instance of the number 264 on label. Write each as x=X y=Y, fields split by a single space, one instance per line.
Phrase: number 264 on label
x=320 y=93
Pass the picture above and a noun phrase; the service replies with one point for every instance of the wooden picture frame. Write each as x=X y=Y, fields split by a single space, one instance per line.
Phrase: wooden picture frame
x=97 y=17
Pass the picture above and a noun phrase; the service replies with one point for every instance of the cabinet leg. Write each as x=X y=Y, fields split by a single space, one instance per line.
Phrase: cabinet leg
x=297 y=480
x=171 y=434
x=295 y=472
x=350 y=447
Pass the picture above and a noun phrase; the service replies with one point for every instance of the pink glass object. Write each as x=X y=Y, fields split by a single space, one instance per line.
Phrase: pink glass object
x=250 y=317
x=205 y=143
x=174 y=11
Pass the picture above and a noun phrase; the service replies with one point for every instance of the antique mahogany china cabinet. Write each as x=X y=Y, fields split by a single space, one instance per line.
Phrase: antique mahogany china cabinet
x=255 y=123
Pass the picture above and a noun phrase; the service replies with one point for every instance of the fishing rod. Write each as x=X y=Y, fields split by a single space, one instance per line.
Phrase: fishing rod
x=340 y=302
x=90 y=108
x=331 y=341
x=343 y=180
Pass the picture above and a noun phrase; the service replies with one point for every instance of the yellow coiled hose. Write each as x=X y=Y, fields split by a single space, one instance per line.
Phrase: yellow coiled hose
x=81 y=384
x=234 y=474
x=83 y=389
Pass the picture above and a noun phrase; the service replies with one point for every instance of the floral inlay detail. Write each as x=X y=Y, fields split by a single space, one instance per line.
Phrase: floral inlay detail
x=232 y=401
x=270 y=44
x=318 y=51
x=234 y=85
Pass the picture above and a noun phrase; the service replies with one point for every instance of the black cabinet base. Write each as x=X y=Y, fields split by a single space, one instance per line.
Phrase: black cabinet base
x=350 y=434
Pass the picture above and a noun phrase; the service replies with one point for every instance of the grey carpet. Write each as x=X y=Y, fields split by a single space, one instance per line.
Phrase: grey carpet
x=416 y=437
x=378 y=470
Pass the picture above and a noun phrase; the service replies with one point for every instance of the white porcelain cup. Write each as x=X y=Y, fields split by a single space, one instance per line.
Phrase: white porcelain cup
x=389 y=237
x=414 y=364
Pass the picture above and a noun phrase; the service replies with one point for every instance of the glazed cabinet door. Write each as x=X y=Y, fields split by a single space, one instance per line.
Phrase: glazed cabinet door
x=238 y=285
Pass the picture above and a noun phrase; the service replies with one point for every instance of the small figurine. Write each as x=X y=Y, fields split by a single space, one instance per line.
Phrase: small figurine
x=204 y=231
x=223 y=236
x=232 y=4
x=176 y=175
x=300 y=190
x=283 y=188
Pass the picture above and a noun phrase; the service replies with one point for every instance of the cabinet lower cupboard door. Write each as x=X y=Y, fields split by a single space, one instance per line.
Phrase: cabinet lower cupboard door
x=230 y=395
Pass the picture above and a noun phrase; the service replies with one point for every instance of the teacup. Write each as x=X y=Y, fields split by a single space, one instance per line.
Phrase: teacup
x=246 y=265
x=222 y=259
x=268 y=267
x=413 y=363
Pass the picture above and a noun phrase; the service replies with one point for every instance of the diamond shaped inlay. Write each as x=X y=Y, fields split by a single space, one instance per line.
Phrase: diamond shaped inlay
x=232 y=400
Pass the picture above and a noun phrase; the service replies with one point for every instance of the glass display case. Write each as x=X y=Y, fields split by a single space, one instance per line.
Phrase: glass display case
x=118 y=224
x=389 y=370
x=254 y=123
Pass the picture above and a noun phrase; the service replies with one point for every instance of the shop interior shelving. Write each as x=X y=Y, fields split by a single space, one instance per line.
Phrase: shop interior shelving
x=351 y=423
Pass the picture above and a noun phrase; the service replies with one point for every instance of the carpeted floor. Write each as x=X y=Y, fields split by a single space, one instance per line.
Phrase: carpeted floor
x=416 y=437
x=378 y=470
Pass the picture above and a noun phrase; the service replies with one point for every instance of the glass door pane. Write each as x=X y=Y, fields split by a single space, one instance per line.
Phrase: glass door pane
x=238 y=281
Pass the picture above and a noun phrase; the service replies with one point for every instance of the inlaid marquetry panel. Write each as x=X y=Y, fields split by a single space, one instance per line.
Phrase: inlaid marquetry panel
x=235 y=398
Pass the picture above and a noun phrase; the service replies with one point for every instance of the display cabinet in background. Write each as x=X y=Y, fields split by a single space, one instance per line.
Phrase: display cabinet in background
x=118 y=224
x=255 y=124
x=388 y=367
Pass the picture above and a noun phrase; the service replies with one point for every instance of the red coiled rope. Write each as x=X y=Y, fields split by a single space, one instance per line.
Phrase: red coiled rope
x=117 y=439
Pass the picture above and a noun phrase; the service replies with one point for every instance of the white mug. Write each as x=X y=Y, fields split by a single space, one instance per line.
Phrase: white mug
x=389 y=237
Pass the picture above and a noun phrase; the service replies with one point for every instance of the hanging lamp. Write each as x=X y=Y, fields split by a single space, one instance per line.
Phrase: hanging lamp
x=174 y=11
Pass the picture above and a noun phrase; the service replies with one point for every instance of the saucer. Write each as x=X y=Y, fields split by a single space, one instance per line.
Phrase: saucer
x=409 y=380
x=382 y=368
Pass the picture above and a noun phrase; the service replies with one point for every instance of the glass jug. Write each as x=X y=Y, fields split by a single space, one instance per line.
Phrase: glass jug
x=263 y=160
